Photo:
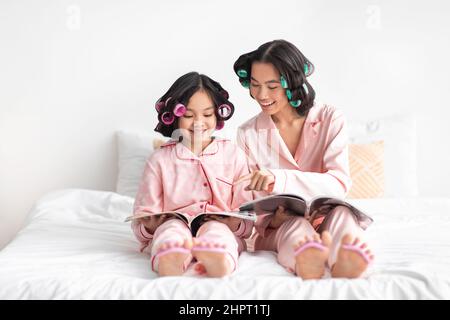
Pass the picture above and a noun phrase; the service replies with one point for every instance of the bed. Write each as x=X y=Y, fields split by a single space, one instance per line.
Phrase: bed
x=75 y=245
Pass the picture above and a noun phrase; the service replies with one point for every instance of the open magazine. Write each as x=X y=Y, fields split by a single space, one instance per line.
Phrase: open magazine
x=194 y=222
x=316 y=207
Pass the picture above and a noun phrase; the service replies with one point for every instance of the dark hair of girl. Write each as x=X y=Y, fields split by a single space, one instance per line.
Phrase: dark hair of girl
x=182 y=90
x=290 y=63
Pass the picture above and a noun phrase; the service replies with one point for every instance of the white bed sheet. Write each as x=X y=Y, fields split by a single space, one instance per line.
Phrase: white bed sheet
x=75 y=246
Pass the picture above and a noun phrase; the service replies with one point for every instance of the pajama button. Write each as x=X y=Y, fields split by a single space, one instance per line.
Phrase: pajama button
x=205 y=184
x=201 y=206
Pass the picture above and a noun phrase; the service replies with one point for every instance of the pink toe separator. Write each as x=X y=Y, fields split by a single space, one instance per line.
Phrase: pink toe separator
x=176 y=249
x=215 y=249
x=309 y=245
x=167 y=251
x=357 y=250
x=209 y=249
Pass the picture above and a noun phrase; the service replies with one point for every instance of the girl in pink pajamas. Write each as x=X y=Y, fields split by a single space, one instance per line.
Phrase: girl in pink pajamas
x=298 y=146
x=193 y=173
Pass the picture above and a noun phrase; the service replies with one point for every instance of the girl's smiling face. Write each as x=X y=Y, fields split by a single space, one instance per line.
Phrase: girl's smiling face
x=199 y=121
x=266 y=89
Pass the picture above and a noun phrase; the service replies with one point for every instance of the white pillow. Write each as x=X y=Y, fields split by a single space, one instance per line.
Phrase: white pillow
x=133 y=148
x=400 y=150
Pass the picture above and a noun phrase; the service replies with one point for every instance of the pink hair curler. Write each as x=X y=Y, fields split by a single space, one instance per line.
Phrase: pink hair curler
x=167 y=118
x=224 y=110
x=159 y=105
x=179 y=110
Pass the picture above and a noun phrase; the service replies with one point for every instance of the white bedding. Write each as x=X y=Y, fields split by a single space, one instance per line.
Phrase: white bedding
x=75 y=246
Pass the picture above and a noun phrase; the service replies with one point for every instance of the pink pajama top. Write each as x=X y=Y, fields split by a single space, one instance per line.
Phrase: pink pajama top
x=319 y=165
x=175 y=179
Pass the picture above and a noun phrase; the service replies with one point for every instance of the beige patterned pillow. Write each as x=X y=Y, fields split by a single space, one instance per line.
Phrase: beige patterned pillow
x=366 y=170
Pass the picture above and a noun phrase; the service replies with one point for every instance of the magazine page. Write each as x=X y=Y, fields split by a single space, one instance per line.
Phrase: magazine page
x=198 y=220
x=319 y=207
x=296 y=204
x=149 y=214
x=322 y=205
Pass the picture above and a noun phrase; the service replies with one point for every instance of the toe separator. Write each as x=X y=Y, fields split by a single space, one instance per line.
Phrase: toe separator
x=309 y=245
x=357 y=250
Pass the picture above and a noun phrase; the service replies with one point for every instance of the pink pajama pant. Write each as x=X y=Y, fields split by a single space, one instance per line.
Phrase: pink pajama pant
x=283 y=240
x=211 y=231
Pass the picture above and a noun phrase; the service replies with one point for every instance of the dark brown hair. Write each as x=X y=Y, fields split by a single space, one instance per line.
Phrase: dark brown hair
x=182 y=90
x=290 y=63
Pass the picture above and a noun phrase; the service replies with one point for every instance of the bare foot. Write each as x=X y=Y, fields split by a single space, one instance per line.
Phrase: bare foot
x=352 y=260
x=212 y=258
x=310 y=262
x=172 y=263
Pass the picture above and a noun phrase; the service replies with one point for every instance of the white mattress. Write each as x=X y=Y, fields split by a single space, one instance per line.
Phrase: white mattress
x=75 y=246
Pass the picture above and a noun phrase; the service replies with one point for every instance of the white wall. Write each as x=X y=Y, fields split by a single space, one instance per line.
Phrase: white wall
x=73 y=72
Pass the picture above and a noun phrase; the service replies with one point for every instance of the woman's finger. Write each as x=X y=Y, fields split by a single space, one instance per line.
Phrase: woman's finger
x=243 y=178
x=259 y=183
x=253 y=182
x=266 y=182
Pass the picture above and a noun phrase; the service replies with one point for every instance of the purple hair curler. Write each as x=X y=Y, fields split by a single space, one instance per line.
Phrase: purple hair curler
x=179 y=110
x=224 y=110
x=167 y=118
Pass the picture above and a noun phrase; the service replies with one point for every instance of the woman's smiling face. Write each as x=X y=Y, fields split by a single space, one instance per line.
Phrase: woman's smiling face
x=266 y=89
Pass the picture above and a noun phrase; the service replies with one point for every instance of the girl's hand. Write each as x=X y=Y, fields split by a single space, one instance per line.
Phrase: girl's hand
x=232 y=222
x=280 y=216
x=260 y=180
x=153 y=222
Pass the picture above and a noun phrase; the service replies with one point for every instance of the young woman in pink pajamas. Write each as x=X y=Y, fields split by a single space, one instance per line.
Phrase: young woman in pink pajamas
x=297 y=146
x=193 y=173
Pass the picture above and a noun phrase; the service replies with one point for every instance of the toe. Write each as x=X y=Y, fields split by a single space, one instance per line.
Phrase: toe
x=347 y=239
x=299 y=244
x=316 y=237
x=326 y=238
x=187 y=244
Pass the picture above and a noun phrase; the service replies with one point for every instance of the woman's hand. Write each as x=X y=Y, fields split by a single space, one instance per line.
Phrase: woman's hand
x=260 y=180
x=153 y=222
x=280 y=216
